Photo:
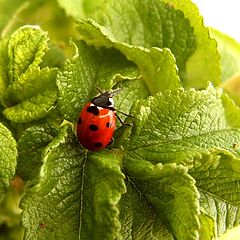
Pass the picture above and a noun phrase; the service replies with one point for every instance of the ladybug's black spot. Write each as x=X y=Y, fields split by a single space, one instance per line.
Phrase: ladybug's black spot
x=93 y=127
x=93 y=109
x=108 y=124
x=79 y=121
x=98 y=144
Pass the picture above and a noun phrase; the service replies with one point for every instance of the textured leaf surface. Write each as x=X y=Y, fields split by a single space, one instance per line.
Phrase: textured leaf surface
x=27 y=91
x=102 y=187
x=4 y=81
x=26 y=48
x=162 y=27
x=181 y=131
x=172 y=174
x=34 y=108
x=139 y=220
x=77 y=195
x=207 y=223
x=172 y=193
x=90 y=68
x=31 y=83
x=131 y=90
x=8 y=158
x=36 y=139
x=157 y=65
x=204 y=64
x=51 y=208
x=188 y=132
x=151 y=23
x=218 y=181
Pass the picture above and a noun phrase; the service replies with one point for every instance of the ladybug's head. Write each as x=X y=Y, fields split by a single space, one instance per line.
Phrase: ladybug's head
x=105 y=99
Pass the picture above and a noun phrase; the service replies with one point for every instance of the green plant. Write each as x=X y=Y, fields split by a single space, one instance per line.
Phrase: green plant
x=174 y=174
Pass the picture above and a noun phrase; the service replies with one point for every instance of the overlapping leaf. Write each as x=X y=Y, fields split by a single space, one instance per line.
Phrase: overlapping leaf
x=186 y=132
x=183 y=130
x=138 y=218
x=8 y=158
x=51 y=208
x=156 y=65
x=27 y=92
x=35 y=138
x=229 y=50
x=183 y=143
x=204 y=64
x=218 y=181
x=90 y=68
x=77 y=195
x=172 y=193
x=157 y=26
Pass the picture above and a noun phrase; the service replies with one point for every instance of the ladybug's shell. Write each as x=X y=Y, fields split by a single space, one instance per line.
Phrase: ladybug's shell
x=95 y=127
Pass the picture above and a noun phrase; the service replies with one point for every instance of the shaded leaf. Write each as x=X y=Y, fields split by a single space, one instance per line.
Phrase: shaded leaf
x=172 y=193
x=157 y=65
x=35 y=139
x=8 y=158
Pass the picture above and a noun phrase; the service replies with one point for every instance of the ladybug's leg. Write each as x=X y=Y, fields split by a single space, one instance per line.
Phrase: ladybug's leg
x=125 y=114
x=111 y=141
x=121 y=121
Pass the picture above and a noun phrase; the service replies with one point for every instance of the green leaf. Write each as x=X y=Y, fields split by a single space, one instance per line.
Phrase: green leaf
x=204 y=64
x=102 y=187
x=80 y=8
x=231 y=111
x=77 y=195
x=89 y=68
x=26 y=48
x=32 y=82
x=157 y=26
x=172 y=193
x=8 y=158
x=182 y=131
x=28 y=92
x=73 y=8
x=4 y=81
x=34 y=108
x=51 y=208
x=138 y=218
x=157 y=65
x=5 y=122
x=218 y=181
x=229 y=50
x=131 y=90
x=35 y=138
x=55 y=57
x=207 y=223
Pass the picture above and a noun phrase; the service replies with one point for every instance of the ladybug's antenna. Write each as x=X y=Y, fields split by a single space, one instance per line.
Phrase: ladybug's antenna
x=115 y=91
x=111 y=93
x=99 y=89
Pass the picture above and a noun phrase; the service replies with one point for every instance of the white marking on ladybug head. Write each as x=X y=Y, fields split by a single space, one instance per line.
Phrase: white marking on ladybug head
x=111 y=102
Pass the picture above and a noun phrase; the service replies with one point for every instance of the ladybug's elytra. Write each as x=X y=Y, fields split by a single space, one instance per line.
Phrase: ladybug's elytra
x=97 y=121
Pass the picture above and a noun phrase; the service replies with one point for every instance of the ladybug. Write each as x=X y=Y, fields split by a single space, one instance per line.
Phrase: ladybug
x=97 y=121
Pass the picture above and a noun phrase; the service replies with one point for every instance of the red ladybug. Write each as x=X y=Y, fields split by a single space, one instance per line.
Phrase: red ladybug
x=97 y=122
